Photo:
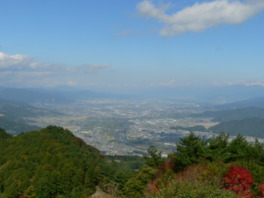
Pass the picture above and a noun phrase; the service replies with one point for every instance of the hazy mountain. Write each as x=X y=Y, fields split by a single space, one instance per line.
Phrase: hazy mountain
x=16 y=110
x=253 y=102
x=15 y=127
x=13 y=116
x=35 y=95
x=214 y=95
x=54 y=95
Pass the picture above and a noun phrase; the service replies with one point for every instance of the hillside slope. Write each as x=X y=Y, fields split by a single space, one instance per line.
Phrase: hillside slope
x=248 y=127
x=233 y=114
x=48 y=163
x=13 y=116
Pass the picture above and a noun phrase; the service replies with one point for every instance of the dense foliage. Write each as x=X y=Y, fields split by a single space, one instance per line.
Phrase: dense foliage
x=3 y=134
x=202 y=168
x=50 y=163
x=54 y=163
x=193 y=149
x=239 y=180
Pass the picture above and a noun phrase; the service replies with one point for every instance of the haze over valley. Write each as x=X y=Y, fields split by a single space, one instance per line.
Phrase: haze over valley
x=122 y=125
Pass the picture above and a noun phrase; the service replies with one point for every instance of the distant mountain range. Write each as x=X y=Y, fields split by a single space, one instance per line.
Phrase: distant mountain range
x=213 y=95
x=253 y=102
x=12 y=109
x=14 y=114
x=52 y=96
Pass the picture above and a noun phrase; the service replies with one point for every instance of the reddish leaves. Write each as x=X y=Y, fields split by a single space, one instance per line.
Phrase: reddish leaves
x=261 y=190
x=239 y=180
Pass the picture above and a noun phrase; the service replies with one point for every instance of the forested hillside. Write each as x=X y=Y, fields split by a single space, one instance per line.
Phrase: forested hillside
x=53 y=163
x=47 y=163
x=213 y=168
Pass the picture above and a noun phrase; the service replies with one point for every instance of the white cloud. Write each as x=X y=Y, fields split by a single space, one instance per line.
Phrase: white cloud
x=201 y=16
x=240 y=82
x=255 y=83
x=25 y=70
x=15 y=61
x=20 y=62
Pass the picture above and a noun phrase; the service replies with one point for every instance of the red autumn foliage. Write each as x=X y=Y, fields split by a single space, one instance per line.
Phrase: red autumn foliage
x=239 y=180
x=167 y=165
x=191 y=173
x=155 y=187
x=261 y=190
x=152 y=188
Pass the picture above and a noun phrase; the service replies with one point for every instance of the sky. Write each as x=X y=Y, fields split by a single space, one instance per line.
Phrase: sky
x=131 y=44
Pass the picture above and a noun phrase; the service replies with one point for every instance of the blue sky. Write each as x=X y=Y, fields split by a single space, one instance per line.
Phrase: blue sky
x=117 y=44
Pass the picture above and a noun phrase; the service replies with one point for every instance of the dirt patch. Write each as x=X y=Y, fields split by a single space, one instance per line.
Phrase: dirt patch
x=101 y=194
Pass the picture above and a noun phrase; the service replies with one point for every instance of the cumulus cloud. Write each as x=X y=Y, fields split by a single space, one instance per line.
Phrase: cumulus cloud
x=15 y=61
x=201 y=16
x=20 y=62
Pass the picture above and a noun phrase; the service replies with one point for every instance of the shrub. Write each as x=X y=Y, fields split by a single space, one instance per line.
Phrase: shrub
x=191 y=190
x=239 y=180
x=135 y=186
x=261 y=190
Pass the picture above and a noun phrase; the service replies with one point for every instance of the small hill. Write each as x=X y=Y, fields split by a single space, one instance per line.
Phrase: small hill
x=248 y=127
x=3 y=134
x=48 y=163
x=234 y=114
x=253 y=102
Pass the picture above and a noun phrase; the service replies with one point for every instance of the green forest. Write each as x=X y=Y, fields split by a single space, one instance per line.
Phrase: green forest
x=53 y=163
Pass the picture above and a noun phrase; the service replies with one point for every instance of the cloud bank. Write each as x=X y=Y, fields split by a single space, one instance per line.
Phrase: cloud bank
x=25 y=70
x=201 y=16
x=20 y=62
